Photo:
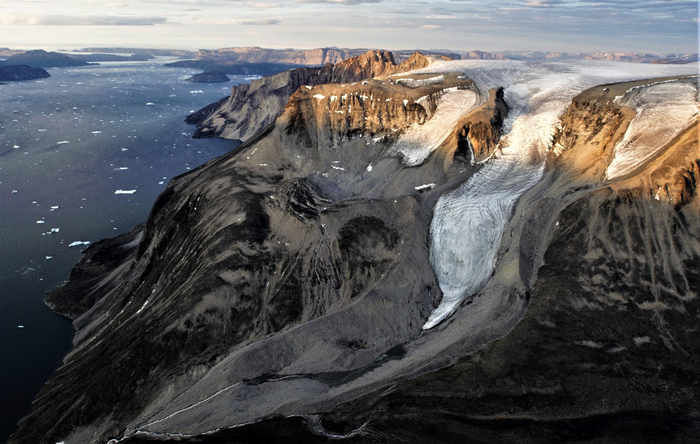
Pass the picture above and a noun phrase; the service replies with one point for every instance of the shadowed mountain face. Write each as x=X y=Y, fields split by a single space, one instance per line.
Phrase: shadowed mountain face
x=280 y=293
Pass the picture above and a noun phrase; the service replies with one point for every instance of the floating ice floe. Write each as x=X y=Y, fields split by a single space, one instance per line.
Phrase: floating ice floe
x=49 y=257
x=150 y=104
x=62 y=142
x=125 y=192
x=55 y=207
x=20 y=326
x=55 y=230
x=41 y=222
x=16 y=147
x=97 y=132
x=78 y=243
x=199 y=91
x=121 y=168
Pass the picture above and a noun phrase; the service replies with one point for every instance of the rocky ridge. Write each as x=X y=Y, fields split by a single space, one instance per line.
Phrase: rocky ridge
x=255 y=105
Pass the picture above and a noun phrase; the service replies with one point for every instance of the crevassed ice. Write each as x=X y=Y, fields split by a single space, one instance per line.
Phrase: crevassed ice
x=468 y=222
x=663 y=111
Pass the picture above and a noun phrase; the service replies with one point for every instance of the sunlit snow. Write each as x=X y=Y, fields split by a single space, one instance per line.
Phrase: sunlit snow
x=663 y=111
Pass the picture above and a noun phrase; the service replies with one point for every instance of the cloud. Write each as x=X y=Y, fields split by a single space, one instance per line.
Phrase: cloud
x=339 y=2
x=260 y=22
x=542 y=3
x=85 y=20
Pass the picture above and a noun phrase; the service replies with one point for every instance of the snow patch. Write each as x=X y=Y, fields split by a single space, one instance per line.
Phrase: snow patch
x=125 y=192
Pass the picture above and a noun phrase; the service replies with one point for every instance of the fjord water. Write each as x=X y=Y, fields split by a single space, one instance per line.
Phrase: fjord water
x=67 y=144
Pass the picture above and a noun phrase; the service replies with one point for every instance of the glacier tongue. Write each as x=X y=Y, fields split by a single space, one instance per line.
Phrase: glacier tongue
x=468 y=223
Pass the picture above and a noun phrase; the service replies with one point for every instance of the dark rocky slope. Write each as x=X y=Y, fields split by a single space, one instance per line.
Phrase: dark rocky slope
x=255 y=105
x=284 y=287
x=283 y=257
x=607 y=350
x=21 y=72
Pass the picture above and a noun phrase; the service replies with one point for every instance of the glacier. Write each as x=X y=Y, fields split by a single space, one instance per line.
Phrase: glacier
x=468 y=222
x=657 y=122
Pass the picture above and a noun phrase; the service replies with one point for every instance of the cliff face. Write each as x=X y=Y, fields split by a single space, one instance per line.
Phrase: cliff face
x=281 y=292
x=253 y=106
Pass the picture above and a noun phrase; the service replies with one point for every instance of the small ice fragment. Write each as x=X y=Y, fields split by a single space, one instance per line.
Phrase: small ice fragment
x=121 y=169
x=150 y=104
x=369 y=167
x=20 y=326
x=199 y=91
x=40 y=222
x=16 y=146
x=62 y=142
x=125 y=149
x=78 y=243
x=49 y=257
x=337 y=168
x=55 y=207
x=55 y=230
x=14 y=191
x=125 y=192
x=97 y=132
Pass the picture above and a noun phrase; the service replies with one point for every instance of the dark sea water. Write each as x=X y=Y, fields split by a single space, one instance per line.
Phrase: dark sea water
x=123 y=124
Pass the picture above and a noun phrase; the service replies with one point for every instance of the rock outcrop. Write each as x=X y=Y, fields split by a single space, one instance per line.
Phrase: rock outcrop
x=21 y=72
x=209 y=77
x=253 y=106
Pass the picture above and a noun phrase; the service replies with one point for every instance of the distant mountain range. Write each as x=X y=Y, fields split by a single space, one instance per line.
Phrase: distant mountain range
x=265 y=61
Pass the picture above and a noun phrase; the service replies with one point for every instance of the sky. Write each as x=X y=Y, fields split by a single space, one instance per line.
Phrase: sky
x=666 y=26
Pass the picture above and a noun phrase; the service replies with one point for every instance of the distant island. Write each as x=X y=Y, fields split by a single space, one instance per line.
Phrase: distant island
x=21 y=72
x=41 y=59
x=209 y=76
